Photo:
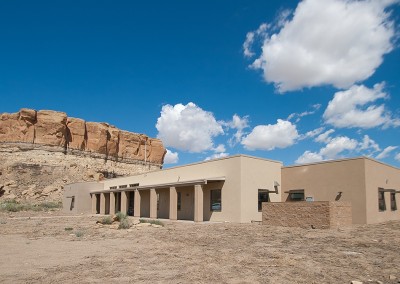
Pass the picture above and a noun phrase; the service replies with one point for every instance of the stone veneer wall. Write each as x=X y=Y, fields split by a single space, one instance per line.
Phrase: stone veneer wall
x=316 y=214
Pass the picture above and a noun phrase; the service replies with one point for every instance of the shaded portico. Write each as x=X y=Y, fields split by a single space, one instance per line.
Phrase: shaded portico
x=178 y=200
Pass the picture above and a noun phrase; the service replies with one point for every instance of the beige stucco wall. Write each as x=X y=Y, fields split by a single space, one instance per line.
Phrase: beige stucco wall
x=324 y=180
x=383 y=176
x=81 y=191
x=257 y=174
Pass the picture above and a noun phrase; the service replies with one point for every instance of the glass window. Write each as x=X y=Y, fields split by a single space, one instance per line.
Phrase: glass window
x=263 y=196
x=179 y=203
x=393 y=204
x=381 y=200
x=297 y=195
x=215 y=200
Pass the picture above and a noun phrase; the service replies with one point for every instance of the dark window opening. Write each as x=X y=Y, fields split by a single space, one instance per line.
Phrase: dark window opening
x=215 y=200
x=296 y=195
x=113 y=187
x=381 y=200
x=134 y=184
x=179 y=203
x=123 y=186
x=263 y=196
x=393 y=204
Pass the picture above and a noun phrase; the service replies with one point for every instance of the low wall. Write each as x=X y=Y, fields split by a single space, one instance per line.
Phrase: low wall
x=316 y=214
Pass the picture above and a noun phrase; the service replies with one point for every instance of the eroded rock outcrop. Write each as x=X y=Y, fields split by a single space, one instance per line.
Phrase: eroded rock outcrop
x=52 y=128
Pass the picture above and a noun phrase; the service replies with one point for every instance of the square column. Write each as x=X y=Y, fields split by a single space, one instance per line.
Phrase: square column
x=173 y=204
x=198 y=203
x=153 y=203
x=94 y=203
x=112 y=203
x=102 y=203
x=124 y=202
x=136 y=208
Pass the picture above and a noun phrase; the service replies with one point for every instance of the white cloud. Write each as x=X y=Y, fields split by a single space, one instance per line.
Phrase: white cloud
x=171 y=157
x=368 y=143
x=298 y=116
x=187 y=127
x=325 y=137
x=220 y=148
x=217 y=156
x=353 y=108
x=332 y=150
x=238 y=123
x=268 y=137
x=386 y=152
x=250 y=37
x=309 y=157
x=311 y=133
x=330 y=42
x=397 y=157
x=337 y=145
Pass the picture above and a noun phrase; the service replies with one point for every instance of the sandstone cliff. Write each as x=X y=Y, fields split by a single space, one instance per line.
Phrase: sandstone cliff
x=52 y=128
x=41 y=151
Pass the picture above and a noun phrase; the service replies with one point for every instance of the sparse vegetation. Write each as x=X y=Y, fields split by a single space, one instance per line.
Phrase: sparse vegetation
x=155 y=222
x=68 y=229
x=121 y=216
x=107 y=220
x=124 y=224
x=79 y=234
x=13 y=205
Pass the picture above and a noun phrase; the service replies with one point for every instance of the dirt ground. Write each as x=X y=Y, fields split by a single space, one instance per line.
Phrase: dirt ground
x=44 y=248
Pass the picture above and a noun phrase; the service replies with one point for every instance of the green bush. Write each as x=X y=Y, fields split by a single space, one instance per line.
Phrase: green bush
x=107 y=220
x=13 y=205
x=124 y=224
x=121 y=216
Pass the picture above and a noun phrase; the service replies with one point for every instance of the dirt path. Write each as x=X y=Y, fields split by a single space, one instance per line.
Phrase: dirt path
x=41 y=250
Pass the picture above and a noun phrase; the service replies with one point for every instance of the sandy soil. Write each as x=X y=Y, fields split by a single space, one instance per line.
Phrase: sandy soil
x=36 y=248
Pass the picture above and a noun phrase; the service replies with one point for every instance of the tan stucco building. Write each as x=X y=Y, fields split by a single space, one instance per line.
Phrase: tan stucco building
x=233 y=188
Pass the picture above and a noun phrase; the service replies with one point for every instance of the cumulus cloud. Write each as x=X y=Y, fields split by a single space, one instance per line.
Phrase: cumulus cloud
x=220 y=148
x=268 y=137
x=385 y=153
x=217 y=156
x=332 y=150
x=330 y=42
x=354 y=108
x=187 y=127
x=238 y=123
x=311 y=133
x=369 y=144
x=397 y=157
x=171 y=157
x=309 y=157
x=325 y=137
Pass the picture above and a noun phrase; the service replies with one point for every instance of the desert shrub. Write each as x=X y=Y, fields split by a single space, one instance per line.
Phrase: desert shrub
x=121 y=216
x=124 y=224
x=79 y=234
x=155 y=222
x=68 y=229
x=13 y=205
x=107 y=220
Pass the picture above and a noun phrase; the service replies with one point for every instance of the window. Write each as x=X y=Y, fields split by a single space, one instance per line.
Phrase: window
x=123 y=186
x=381 y=200
x=393 y=204
x=263 y=196
x=133 y=185
x=215 y=200
x=113 y=187
x=179 y=203
x=296 y=195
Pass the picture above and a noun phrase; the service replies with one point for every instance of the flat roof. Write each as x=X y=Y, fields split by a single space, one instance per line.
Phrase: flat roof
x=341 y=160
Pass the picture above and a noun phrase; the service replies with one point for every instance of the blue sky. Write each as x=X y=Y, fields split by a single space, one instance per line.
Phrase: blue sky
x=295 y=81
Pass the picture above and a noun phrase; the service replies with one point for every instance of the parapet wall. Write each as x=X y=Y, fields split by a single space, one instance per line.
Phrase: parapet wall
x=316 y=214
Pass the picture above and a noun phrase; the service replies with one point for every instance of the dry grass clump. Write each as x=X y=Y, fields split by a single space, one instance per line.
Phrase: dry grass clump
x=12 y=205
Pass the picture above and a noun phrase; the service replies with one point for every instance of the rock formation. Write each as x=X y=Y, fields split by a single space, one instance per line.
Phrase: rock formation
x=41 y=151
x=52 y=128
